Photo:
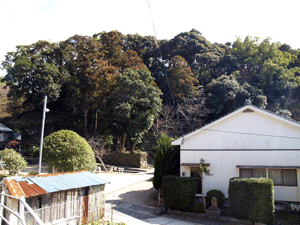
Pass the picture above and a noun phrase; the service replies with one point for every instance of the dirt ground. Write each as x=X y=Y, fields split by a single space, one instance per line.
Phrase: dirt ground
x=142 y=193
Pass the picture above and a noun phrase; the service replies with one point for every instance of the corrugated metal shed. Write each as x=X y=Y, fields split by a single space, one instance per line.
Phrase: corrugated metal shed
x=67 y=181
x=5 y=128
x=38 y=185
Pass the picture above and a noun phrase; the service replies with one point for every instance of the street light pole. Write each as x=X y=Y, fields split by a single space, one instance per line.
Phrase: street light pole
x=42 y=133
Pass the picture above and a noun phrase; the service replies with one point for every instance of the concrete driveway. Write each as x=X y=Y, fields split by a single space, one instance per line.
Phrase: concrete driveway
x=128 y=196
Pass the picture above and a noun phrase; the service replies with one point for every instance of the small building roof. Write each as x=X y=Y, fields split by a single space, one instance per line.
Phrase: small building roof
x=4 y=128
x=43 y=184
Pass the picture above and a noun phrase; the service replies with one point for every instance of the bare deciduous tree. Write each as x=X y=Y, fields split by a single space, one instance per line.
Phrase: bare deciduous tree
x=192 y=113
x=98 y=145
x=165 y=122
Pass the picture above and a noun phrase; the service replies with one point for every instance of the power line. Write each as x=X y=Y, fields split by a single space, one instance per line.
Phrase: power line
x=254 y=134
x=207 y=129
x=81 y=114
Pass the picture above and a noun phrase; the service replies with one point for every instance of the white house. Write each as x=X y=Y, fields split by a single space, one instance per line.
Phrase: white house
x=249 y=142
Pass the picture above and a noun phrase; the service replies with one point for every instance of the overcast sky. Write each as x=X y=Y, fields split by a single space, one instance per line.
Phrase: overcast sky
x=26 y=22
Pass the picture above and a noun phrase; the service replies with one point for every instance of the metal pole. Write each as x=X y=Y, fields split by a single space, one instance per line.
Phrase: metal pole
x=42 y=134
x=21 y=210
x=1 y=208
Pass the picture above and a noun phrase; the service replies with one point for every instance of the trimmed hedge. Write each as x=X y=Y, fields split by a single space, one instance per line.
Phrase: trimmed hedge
x=252 y=199
x=131 y=159
x=179 y=192
x=215 y=193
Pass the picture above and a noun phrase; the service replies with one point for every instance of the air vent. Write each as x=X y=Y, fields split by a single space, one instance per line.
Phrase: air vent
x=248 y=111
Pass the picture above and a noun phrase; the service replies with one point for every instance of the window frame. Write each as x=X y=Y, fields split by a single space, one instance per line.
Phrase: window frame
x=282 y=174
x=267 y=170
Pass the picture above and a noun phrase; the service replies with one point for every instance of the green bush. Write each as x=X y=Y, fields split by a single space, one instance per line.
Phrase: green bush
x=179 y=192
x=67 y=151
x=135 y=159
x=13 y=160
x=215 y=193
x=252 y=199
x=166 y=162
x=199 y=208
x=32 y=173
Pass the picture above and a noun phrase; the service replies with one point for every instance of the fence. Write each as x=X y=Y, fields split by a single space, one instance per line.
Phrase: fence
x=13 y=215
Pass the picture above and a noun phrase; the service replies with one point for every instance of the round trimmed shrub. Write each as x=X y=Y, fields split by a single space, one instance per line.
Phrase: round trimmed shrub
x=218 y=194
x=66 y=151
x=13 y=160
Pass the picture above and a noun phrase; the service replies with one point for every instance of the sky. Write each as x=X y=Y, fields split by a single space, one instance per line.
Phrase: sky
x=221 y=21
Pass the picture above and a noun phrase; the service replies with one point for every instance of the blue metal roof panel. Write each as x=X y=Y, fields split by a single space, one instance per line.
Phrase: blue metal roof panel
x=5 y=128
x=66 y=181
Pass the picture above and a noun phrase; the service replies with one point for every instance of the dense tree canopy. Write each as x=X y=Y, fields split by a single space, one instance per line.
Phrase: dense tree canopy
x=179 y=81
x=104 y=85
x=34 y=71
x=226 y=94
x=134 y=105
x=91 y=77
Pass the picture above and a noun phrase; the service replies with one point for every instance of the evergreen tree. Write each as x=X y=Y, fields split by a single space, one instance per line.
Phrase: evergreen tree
x=167 y=161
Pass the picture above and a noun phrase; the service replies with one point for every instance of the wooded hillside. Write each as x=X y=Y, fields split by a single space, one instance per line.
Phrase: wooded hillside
x=132 y=88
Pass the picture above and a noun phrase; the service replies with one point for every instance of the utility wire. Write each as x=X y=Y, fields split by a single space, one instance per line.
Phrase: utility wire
x=254 y=134
x=207 y=129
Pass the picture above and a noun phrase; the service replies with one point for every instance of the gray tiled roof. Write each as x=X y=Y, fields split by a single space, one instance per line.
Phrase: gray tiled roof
x=5 y=128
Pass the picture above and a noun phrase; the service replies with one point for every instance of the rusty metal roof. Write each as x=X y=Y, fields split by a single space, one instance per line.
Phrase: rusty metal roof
x=38 y=185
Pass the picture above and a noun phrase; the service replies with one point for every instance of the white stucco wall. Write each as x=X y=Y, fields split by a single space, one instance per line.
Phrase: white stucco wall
x=223 y=167
x=255 y=139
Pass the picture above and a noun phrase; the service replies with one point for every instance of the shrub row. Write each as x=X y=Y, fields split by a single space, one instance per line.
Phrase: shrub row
x=179 y=192
x=131 y=159
x=252 y=199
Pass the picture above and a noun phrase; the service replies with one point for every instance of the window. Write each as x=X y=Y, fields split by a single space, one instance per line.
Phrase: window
x=248 y=173
x=283 y=177
x=280 y=177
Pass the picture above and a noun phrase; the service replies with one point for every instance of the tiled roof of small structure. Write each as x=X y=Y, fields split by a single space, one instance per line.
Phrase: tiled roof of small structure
x=42 y=184
x=5 y=128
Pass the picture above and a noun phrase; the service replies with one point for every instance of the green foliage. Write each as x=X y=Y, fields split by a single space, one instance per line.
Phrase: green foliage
x=34 y=71
x=3 y=176
x=32 y=173
x=180 y=79
x=179 y=192
x=252 y=199
x=13 y=160
x=215 y=193
x=199 y=208
x=131 y=159
x=166 y=162
x=226 y=94
x=66 y=151
x=134 y=104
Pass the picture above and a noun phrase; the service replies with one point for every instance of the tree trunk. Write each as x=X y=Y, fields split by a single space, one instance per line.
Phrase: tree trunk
x=102 y=163
x=134 y=145
x=123 y=143
x=85 y=116
x=204 y=202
